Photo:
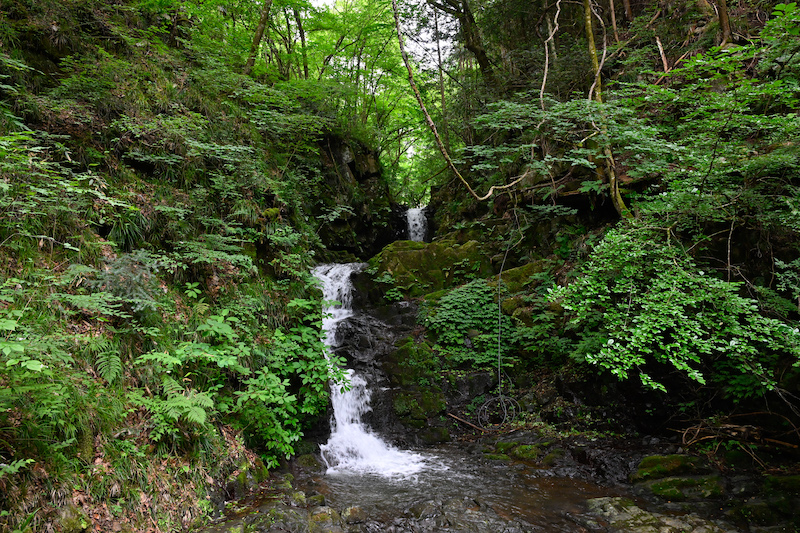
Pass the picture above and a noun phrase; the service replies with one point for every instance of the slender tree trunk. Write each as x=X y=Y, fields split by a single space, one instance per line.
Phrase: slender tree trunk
x=470 y=34
x=430 y=122
x=474 y=43
x=724 y=22
x=262 y=25
x=551 y=42
x=613 y=11
x=610 y=166
x=445 y=126
x=302 y=33
x=628 y=11
x=589 y=25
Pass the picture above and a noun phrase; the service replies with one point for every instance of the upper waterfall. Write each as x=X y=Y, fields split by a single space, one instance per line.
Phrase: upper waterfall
x=417 y=224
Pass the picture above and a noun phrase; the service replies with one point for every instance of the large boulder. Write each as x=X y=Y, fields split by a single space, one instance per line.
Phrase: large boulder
x=417 y=268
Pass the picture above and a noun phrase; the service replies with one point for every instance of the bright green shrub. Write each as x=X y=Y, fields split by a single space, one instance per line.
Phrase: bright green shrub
x=642 y=306
x=465 y=323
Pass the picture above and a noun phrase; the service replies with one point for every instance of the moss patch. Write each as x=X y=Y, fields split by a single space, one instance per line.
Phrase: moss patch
x=421 y=268
x=526 y=452
x=659 y=466
x=686 y=488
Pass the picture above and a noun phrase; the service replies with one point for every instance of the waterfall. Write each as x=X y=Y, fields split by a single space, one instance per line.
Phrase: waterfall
x=352 y=446
x=417 y=223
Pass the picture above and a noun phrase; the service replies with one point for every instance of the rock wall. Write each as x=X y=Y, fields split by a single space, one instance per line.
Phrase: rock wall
x=359 y=214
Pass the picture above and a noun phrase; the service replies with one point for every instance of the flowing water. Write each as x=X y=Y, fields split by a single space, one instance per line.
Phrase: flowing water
x=353 y=448
x=449 y=488
x=417 y=224
x=394 y=486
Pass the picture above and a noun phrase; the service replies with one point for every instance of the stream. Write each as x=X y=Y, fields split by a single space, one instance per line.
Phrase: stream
x=361 y=482
x=371 y=485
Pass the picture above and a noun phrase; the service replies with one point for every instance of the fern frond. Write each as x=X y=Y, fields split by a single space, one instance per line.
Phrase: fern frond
x=109 y=365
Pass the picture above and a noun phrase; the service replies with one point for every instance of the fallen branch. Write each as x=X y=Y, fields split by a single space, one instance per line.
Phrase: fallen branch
x=470 y=424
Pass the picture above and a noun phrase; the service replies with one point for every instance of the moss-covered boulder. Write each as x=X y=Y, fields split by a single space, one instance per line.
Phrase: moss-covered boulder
x=659 y=466
x=525 y=276
x=419 y=268
x=622 y=514
x=679 y=489
x=324 y=519
x=526 y=452
x=417 y=406
x=412 y=364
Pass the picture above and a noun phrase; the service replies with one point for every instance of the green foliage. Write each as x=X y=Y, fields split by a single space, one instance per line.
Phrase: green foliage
x=465 y=324
x=641 y=306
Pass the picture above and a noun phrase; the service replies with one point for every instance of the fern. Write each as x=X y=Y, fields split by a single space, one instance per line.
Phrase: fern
x=189 y=405
x=109 y=365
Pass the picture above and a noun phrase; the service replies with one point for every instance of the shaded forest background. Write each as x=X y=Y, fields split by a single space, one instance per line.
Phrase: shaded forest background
x=170 y=171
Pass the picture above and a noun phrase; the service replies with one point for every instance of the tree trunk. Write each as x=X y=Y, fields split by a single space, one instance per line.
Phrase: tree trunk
x=613 y=10
x=445 y=126
x=628 y=11
x=302 y=33
x=724 y=22
x=588 y=24
x=262 y=25
x=610 y=167
x=470 y=34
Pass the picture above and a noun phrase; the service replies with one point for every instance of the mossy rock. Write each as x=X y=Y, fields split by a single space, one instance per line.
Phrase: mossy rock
x=420 y=268
x=497 y=456
x=511 y=305
x=782 y=485
x=324 y=519
x=659 y=466
x=419 y=405
x=553 y=456
x=405 y=405
x=412 y=363
x=414 y=423
x=517 y=279
x=434 y=435
x=687 y=488
x=316 y=500
x=526 y=452
x=758 y=512
x=309 y=462
x=504 y=447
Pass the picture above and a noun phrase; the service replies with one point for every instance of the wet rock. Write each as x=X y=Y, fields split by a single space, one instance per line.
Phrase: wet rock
x=280 y=518
x=434 y=435
x=354 y=515
x=622 y=515
x=553 y=456
x=309 y=462
x=324 y=519
x=426 y=509
x=497 y=457
x=316 y=500
x=526 y=452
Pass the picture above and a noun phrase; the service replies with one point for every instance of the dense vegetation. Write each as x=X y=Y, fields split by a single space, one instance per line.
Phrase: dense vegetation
x=171 y=170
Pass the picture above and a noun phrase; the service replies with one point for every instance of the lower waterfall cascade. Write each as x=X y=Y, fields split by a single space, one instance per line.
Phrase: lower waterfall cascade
x=352 y=446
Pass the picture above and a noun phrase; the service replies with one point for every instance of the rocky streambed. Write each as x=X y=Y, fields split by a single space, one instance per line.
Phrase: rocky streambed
x=560 y=465
x=520 y=483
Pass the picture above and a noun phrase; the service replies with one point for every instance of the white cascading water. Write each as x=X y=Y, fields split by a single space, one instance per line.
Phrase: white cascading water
x=417 y=223
x=352 y=447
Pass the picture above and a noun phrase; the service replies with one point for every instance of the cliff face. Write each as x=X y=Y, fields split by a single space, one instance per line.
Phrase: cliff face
x=357 y=212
